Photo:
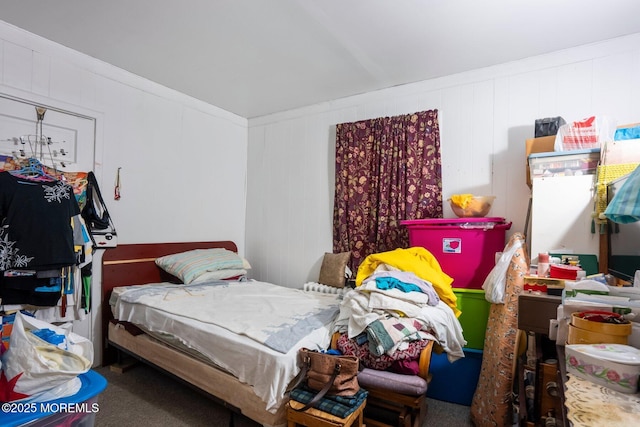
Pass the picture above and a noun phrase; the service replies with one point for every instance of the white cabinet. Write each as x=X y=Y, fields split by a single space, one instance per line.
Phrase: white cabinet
x=561 y=216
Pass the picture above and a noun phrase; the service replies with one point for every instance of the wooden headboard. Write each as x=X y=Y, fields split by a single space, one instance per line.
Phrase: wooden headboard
x=134 y=264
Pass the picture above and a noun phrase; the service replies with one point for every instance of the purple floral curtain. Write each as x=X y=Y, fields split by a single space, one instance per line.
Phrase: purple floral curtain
x=387 y=170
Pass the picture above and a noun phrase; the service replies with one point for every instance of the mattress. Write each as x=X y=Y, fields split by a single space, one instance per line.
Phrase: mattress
x=268 y=371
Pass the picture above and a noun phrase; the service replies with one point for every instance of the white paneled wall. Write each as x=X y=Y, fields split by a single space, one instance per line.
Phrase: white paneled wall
x=191 y=170
x=183 y=162
x=485 y=116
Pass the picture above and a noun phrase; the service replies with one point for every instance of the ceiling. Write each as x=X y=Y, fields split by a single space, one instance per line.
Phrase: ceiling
x=256 y=57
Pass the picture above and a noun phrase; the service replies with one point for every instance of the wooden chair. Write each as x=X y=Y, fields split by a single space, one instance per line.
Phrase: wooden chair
x=395 y=400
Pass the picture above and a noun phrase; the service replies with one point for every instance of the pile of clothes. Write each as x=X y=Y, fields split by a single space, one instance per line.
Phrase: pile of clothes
x=401 y=300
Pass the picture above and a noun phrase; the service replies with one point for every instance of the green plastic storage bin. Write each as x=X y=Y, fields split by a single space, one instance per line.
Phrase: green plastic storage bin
x=475 y=313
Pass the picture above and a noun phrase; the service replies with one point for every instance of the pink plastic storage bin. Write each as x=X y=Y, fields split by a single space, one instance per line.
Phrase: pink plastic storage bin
x=464 y=247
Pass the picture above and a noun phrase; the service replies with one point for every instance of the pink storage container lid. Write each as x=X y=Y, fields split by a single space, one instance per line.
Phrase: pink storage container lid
x=457 y=222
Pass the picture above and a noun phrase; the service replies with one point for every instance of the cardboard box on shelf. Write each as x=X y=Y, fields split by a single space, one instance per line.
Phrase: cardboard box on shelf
x=543 y=144
x=621 y=152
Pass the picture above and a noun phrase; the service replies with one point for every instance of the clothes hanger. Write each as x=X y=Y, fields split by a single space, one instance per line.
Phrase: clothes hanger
x=33 y=170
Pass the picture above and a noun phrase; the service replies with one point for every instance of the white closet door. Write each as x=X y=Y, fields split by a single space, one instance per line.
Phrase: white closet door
x=72 y=135
x=561 y=215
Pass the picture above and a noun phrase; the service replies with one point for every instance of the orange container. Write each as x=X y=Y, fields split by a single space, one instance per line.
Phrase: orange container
x=585 y=331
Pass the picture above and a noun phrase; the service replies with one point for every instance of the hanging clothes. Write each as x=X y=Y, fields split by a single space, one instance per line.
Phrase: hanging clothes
x=78 y=299
x=36 y=238
x=624 y=207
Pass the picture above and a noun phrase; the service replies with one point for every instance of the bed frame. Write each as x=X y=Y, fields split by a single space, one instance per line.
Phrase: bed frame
x=134 y=264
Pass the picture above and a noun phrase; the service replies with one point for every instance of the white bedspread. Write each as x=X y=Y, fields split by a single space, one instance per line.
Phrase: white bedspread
x=273 y=315
x=269 y=372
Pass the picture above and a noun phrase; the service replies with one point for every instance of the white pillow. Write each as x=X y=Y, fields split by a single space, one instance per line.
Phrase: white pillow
x=189 y=265
x=220 y=275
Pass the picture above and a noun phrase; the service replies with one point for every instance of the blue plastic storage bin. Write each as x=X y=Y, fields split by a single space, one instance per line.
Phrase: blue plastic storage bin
x=78 y=410
x=455 y=382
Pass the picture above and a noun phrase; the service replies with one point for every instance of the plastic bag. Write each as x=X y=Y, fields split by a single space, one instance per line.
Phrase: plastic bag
x=495 y=282
x=584 y=134
x=66 y=389
x=548 y=126
x=32 y=366
x=624 y=133
x=97 y=218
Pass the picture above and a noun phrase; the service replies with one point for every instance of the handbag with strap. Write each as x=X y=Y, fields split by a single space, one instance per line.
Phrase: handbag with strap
x=96 y=216
x=95 y=212
x=328 y=374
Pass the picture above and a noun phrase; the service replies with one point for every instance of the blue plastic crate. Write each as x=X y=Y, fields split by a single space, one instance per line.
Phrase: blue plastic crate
x=455 y=382
x=92 y=385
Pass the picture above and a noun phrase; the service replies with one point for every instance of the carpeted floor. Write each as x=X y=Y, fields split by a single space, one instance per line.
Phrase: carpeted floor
x=143 y=396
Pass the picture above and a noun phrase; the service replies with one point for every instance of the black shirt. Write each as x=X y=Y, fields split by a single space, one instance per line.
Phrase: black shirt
x=35 y=223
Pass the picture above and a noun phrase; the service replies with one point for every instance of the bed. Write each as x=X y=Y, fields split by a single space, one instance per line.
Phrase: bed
x=247 y=374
